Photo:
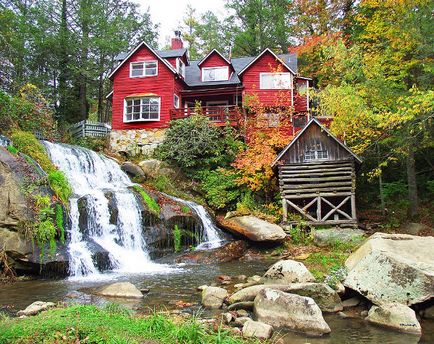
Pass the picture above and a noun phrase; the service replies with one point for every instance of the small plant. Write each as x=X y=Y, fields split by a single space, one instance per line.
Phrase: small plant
x=117 y=309
x=60 y=185
x=59 y=222
x=12 y=149
x=177 y=236
x=150 y=202
x=185 y=209
x=44 y=231
x=336 y=276
x=302 y=234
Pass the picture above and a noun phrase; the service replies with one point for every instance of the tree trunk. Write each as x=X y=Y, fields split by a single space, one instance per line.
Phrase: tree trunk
x=411 y=181
x=63 y=65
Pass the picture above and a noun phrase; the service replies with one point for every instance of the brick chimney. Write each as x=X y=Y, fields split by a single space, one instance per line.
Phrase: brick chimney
x=177 y=41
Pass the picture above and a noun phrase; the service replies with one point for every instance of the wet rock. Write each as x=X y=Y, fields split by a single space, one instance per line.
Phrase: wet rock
x=257 y=329
x=153 y=168
x=242 y=313
x=226 y=318
x=287 y=271
x=224 y=278
x=326 y=298
x=213 y=297
x=246 y=305
x=229 y=252
x=202 y=287
x=35 y=308
x=241 y=278
x=120 y=289
x=343 y=315
x=340 y=288
x=134 y=172
x=396 y=317
x=393 y=268
x=352 y=302
x=253 y=228
x=290 y=311
x=327 y=237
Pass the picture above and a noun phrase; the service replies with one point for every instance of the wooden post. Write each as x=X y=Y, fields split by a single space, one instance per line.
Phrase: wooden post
x=318 y=208
x=353 y=191
x=285 y=210
x=353 y=206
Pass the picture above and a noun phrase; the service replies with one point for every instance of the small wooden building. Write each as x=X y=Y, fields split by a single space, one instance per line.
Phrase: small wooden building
x=317 y=177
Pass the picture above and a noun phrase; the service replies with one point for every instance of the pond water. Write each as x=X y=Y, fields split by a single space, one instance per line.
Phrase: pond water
x=180 y=285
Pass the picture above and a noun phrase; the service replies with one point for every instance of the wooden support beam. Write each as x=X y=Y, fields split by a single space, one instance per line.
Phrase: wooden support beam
x=316 y=190
x=336 y=208
x=296 y=207
x=285 y=210
x=322 y=194
x=311 y=173
x=318 y=208
x=309 y=204
x=316 y=179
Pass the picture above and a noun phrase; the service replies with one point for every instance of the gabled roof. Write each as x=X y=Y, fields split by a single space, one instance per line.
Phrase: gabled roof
x=311 y=122
x=263 y=52
x=167 y=64
x=214 y=51
x=172 y=53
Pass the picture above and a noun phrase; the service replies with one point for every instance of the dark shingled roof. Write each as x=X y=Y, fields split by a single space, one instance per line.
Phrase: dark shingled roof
x=192 y=71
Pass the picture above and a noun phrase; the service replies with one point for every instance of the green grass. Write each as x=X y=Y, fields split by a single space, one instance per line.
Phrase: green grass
x=111 y=325
x=12 y=149
x=150 y=202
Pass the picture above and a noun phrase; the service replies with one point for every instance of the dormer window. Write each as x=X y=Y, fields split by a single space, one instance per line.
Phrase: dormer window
x=215 y=73
x=143 y=69
x=180 y=67
x=275 y=81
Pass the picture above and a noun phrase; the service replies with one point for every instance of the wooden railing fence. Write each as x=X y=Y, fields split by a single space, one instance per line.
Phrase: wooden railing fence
x=88 y=128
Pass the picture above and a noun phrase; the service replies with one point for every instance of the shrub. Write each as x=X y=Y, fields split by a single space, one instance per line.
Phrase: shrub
x=59 y=222
x=44 y=231
x=220 y=187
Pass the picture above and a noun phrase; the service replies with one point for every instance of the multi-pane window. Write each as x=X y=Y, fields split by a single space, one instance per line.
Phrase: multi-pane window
x=315 y=151
x=142 y=109
x=215 y=73
x=147 y=68
x=275 y=81
x=180 y=67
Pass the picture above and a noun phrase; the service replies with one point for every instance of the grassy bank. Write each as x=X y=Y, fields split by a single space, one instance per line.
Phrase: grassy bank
x=112 y=324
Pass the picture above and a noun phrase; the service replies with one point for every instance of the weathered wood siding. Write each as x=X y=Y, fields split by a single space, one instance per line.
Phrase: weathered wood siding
x=314 y=134
x=161 y=86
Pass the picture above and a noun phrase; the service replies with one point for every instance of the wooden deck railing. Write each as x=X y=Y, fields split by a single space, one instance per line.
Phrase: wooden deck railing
x=219 y=115
x=87 y=128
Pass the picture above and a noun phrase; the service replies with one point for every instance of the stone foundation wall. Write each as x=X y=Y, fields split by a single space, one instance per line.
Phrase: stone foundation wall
x=135 y=141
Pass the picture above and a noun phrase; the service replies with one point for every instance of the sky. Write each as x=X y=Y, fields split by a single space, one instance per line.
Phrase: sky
x=170 y=13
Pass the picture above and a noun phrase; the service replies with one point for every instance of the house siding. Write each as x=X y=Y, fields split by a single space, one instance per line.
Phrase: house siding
x=215 y=60
x=161 y=85
x=267 y=63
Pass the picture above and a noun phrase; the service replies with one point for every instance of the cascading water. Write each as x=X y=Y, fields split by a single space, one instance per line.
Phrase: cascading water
x=93 y=178
x=212 y=237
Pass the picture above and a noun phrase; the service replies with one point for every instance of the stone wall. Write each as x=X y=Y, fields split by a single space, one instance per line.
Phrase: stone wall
x=135 y=141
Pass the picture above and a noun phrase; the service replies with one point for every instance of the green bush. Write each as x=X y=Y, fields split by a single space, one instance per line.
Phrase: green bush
x=59 y=222
x=177 y=236
x=12 y=149
x=60 y=185
x=220 y=188
x=44 y=230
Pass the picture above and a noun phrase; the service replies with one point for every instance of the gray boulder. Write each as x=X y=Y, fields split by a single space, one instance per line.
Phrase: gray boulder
x=257 y=329
x=331 y=236
x=253 y=228
x=290 y=311
x=35 y=308
x=213 y=297
x=393 y=268
x=119 y=289
x=133 y=171
x=287 y=271
x=396 y=317
x=153 y=168
x=326 y=298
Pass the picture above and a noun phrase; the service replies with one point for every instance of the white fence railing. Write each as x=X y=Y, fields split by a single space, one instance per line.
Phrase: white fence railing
x=87 y=128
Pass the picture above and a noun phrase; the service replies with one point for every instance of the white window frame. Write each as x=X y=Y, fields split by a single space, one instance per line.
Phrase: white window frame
x=275 y=88
x=141 y=119
x=176 y=101
x=144 y=69
x=180 y=67
x=316 y=154
x=208 y=68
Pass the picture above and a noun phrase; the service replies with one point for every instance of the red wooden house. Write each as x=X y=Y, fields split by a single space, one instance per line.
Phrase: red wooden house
x=151 y=88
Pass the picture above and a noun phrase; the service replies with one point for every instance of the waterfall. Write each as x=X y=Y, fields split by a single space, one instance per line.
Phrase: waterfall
x=101 y=183
x=212 y=236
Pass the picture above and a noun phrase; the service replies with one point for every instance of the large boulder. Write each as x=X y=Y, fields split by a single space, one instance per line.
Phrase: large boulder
x=213 y=297
x=393 y=268
x=395 y=316
x=35 y=308
x=331 y=236
x=290 y=311
x=119 y=289
x=326 y=298
x=133 y=171
x=287 y=271
x=253 y=228
x=257 y=329
x=153 y=168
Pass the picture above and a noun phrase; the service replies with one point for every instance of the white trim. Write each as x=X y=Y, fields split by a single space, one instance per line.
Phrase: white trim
x=211 y=52
x=217 y=67
x=109 y=95
x=144 y=68
x=178 y=64
x=167 y=64
x=174 y=103
x=267 y=73
x=141 y=120
x=263 y=52
x=314 y=120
